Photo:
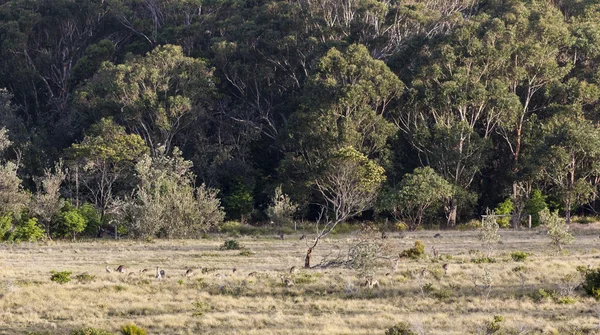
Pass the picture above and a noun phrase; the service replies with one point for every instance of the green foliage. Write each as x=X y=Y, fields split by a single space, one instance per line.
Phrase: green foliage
x=519 y=256
x=231 y=245
x=488 y=234
x=61 y=277
x=132 y=329
x=591 y=282
x=200 y=307
x=495 y=325
x=92 y=217
x=419 y=195
x=5 y=225
x=70 y=221
x=239 y=202
x=415 y=252
x=363 y=259
x=28 y=230
x=282 y=208
x=90 y=331
x=401 y=328
x=504 y=208
x=535 y=204
x=558 y=230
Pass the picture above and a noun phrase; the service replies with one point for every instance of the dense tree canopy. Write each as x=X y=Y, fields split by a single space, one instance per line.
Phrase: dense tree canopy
x=486 y=100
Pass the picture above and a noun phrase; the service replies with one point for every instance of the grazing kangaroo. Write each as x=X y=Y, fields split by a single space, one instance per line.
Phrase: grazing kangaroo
x=293 y=270
x=288 y=282
x=370 y=283
x=108 y=270
x=189 y=273
x=160 y=274
x=445 y=267
x=122 y=269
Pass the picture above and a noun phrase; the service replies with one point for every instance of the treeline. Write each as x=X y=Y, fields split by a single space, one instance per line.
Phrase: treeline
x=434 y=110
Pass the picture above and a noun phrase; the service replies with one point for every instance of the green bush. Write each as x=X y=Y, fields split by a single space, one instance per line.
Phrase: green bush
x=591 y=282
x=231 y=228
x=69 y=222
x=5 y=225
x=401 y=328
x=504 y=208
x=61 y=277
x=133 y=330
x=535 y=204
x=519 y=256
x=231 y=245
x=92 y=217
x=90 y=331
x=28 y=231
x=415 y=252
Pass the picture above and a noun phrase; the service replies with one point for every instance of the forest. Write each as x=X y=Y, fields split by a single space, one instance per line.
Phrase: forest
x=168 y=117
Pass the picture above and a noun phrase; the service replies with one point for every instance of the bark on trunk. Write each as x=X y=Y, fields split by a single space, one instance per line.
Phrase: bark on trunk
x=452 y=212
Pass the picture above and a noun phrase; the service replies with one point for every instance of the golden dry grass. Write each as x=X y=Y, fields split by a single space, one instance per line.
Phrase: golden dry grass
x=322 y=301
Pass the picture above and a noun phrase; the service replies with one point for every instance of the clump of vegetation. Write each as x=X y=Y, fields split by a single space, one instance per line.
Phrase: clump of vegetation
x=282 y=208
x=415 y=252
x=489 y=233
x=591 y=282
x=483 y=260
x=519 y=256
x=533 y=207
x=231 y=245
x=200 y=307
x=504 y=208
x=85 y=278
x=558 y=230
x=495 y=325
x=61 y=277
x=133 y=330
x=28 y=231
x=401 y=328
x=246 y=253
x=90 y=331
x=363 y=259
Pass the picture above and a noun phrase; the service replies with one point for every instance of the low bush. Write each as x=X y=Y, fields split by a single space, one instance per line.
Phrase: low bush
x=90 y=331
x=85 y=278
x=231 y=245
x=591 y=282
x=519 y=256
x=61 y=277
x=133 y=330
x=401 y=328
x=415 y=252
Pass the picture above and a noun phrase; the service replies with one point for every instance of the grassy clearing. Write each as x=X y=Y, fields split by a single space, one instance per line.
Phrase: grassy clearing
x=325 y=301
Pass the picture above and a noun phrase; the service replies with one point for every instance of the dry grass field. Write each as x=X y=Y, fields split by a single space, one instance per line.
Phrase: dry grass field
x=321 y=301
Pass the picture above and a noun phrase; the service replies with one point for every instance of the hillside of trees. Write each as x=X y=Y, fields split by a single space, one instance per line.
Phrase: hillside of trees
x=170 y=116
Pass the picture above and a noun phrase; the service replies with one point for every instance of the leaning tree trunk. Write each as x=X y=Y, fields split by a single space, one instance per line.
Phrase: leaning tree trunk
x=452 y=212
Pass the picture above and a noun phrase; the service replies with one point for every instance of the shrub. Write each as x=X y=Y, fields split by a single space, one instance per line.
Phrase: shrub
x=231 y=245
x=504 y=208
x=70 y=221
x=494 y=325
x=231 y=227
x=489 y=233
x=519 y=256
x=591 y=282
x=246 y=253
x=85 y=278
x=92 y=217
x=61 y=277
x=28 y=231
x=133 y=330
x=90 y=331
x=282 y=209
x=415 y=252
x=5 y=225
x=535 y=204
x=558 y=230
x=401 y=328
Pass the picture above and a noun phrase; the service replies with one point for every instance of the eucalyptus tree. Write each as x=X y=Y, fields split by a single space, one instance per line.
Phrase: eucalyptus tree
x=104 y=161
x=158 y=96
